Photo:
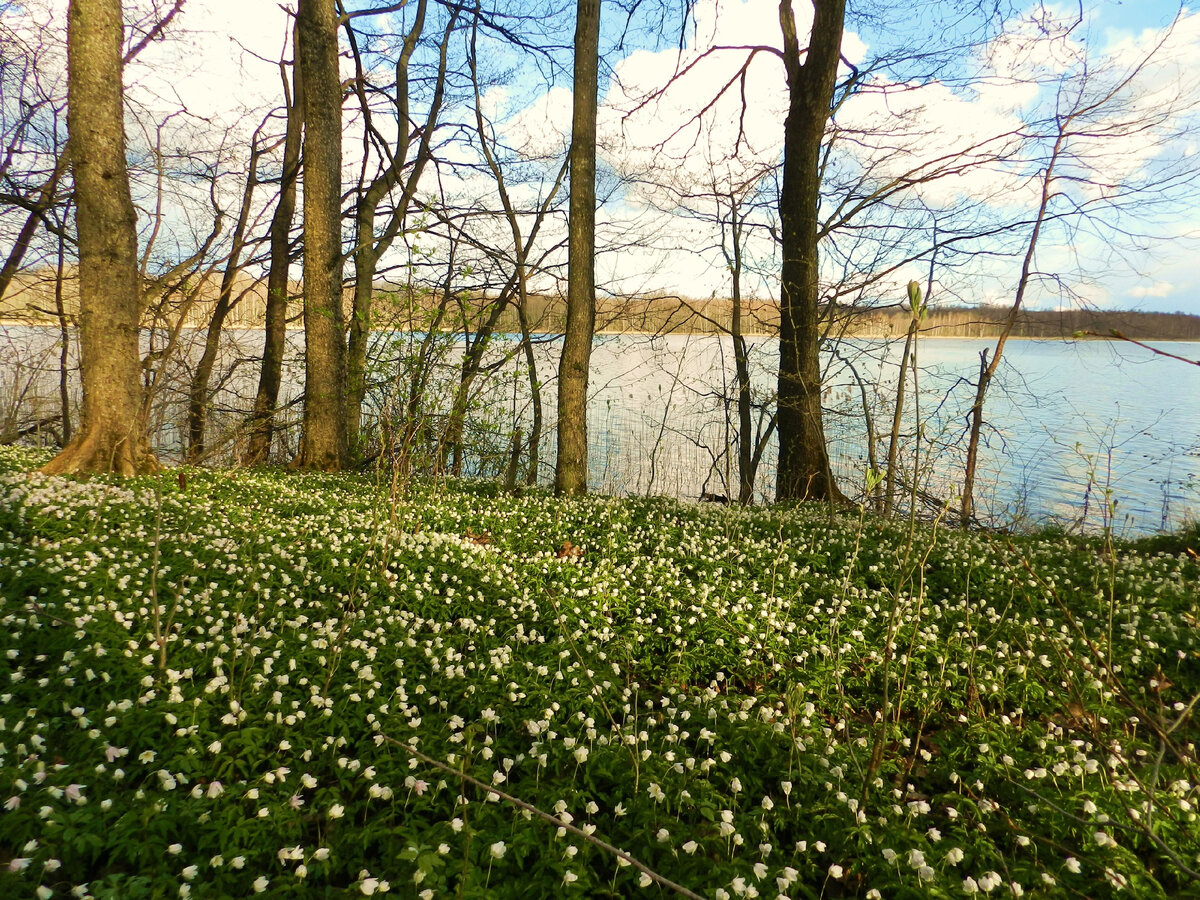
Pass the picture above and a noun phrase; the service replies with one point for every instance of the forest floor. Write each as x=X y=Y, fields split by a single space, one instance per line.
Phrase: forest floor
x=227 y=682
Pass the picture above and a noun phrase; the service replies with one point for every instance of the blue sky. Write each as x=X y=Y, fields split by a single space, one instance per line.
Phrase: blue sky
x=1100 y=264
x=223 y=50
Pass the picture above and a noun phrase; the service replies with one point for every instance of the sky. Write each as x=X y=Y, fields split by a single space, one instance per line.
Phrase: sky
x=221 y=65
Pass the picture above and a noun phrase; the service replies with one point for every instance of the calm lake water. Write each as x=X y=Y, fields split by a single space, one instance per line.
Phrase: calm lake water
x=1076 y=432
x=1080 y=433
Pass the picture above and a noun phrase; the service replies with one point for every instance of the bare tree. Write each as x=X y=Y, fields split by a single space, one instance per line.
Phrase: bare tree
x=1094 y=111
x=266 y=398
x=198 y=390
x=370 y=246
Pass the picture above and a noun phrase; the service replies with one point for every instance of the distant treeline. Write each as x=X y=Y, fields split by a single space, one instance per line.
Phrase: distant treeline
x=32 y=299
x=987 y=321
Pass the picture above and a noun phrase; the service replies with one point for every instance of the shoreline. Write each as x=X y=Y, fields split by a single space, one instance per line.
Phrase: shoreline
x=49 y=324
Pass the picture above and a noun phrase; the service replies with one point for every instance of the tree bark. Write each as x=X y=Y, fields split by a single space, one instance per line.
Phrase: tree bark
x=262 y=420
x=571 y=468
x=112 y=436
x=64 y=335
x=323 y=441
x=804 y=472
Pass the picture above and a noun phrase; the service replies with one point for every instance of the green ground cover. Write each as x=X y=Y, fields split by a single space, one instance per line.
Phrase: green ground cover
x=245 y=682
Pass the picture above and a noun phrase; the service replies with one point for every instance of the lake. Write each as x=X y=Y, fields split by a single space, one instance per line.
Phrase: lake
x=1079 y=433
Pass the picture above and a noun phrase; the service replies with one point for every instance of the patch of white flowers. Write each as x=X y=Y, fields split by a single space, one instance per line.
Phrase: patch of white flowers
x=705 y=682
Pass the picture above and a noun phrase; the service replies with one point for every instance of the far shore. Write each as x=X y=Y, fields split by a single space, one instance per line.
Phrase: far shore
x=934 y=333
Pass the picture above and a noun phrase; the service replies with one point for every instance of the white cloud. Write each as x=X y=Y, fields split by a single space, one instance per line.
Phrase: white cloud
x=1158 y=289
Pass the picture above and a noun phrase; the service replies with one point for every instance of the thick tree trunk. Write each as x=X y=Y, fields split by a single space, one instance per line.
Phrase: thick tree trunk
x=262 y=421
x=323 y=442
x=570 y=475
x=804 y=472
x=112 y=435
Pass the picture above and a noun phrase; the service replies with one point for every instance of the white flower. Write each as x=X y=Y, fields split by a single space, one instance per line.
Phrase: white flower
x=336 y=811
x=1072 y=864
x=498 y=849
x=260 y=883
x=836 y=871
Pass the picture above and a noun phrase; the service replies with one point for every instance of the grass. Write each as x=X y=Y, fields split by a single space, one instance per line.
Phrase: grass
x=288 y=684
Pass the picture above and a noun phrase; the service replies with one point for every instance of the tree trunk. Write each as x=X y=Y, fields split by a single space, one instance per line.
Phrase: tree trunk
x=368 y=248
x=112 y=436
x=804 y=472
x=535 y=390
x=987 y=370
x=469 y=370
x=270 y=377
x=916 y=308
x=571 y=468
x=64 y=336
x=198 y=390
x=741 y=360
x=323 y=441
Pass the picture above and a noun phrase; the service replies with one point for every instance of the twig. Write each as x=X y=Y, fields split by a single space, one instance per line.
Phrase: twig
x=553 y=820
x=1121 y=337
